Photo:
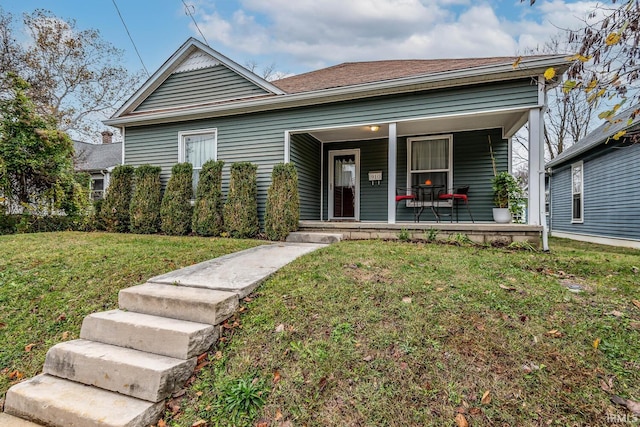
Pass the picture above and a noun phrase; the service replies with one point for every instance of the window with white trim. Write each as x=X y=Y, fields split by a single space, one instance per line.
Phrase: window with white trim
x=197 y=147
x=577 y=187
x=430 y=161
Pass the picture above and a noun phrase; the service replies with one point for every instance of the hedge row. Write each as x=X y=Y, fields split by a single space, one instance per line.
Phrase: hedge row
x=134 y=202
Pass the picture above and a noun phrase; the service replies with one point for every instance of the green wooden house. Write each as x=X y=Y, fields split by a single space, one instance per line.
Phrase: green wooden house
x=356 y=132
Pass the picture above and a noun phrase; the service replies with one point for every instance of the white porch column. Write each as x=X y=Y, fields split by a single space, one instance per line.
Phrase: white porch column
x=392 y=157
x=536 y=166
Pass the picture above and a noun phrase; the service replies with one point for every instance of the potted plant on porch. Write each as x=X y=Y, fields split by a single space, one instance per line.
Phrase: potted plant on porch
x=507 y=196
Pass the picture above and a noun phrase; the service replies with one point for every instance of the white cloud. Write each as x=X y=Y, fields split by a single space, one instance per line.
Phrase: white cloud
x=312 y=34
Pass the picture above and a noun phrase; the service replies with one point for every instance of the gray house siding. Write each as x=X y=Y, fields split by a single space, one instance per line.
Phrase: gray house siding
x=200 y=86
x=259 y=137
x=304 y=154
x=611 y=193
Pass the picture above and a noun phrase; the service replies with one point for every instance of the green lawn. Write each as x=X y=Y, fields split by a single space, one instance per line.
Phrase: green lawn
x=50 y=281
x=365 y=333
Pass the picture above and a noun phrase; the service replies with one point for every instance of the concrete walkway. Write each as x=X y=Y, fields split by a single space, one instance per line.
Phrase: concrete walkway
x=128 y=361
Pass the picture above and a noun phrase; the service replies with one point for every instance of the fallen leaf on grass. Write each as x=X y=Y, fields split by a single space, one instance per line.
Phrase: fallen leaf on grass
x=630 y=404
x=507 y=288
x=461 y=421
x=636 y=303
x=199 y=423
x=606 y=385
x=280 y=328
x=596 y=343
x=276 y=377
x=407 y=300
x=615 y=313
x=16 y=375
x=554 y=333
x=279 y=415
x=28 y=347
x=3 y=325
x=262 y=424
x=475 y=411
x=65 y=335
x=161 y=423
x=199 y=393
x=486 y=398
x=61 y=318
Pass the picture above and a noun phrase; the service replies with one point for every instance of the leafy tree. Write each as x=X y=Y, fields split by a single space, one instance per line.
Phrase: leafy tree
x=606 y=66
x=116 y=205
x=207 y=213
x=75 y=75
x=283 y=202
x=36 y=159
x=241 y=207
x=176 y=211
x=145 y=203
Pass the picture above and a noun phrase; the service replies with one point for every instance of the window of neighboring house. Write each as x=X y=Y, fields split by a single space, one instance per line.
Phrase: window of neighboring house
x=430 y=160
x=97 y=189
x=577 y=187
x=196 y=147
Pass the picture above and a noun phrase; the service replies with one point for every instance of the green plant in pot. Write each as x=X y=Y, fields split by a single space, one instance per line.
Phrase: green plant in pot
x=507 y=196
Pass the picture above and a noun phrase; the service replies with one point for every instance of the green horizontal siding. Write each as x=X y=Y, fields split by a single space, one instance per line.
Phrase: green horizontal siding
x=200 y=86
x=259 y=137
x=305 y=155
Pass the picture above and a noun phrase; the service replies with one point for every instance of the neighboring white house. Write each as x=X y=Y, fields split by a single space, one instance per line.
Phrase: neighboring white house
x=98 y=160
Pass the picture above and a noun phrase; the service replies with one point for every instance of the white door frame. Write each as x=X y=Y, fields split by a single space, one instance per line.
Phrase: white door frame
x=356 y=208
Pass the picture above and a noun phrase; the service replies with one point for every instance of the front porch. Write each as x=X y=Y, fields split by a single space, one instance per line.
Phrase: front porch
x=479 y=232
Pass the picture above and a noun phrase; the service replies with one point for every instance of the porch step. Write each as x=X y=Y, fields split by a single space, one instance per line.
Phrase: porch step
x=135 y=373
x=153 y=334
x=179 y=302
x=313 y=237
x=7 y=420
x=58 y=402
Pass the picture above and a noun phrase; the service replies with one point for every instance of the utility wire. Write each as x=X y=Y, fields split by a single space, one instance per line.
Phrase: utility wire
x=189 y=9
x=130 y=38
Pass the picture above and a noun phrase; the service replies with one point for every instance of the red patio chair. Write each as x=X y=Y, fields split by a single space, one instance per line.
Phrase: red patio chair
x=459 y=195
x=405 y=194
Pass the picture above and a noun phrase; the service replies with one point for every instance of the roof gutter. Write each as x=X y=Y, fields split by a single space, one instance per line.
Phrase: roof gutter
x=530 y=68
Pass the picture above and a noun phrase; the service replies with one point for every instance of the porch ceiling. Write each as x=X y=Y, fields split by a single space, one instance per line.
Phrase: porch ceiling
x=510 y=122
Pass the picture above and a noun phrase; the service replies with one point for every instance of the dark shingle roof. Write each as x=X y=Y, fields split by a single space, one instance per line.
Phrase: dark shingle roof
x=353 y=73
x=94 y=157
x=599 y=136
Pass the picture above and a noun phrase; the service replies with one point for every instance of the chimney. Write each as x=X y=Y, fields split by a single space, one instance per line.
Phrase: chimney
x=107 y=136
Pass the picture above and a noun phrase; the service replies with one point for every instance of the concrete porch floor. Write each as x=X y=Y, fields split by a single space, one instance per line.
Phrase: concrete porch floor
x=478 y=232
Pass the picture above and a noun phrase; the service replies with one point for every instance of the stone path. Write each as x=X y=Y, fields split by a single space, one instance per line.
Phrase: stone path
x=128 y=361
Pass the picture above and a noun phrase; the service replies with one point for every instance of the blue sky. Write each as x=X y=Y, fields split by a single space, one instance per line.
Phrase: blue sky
x=303 y=35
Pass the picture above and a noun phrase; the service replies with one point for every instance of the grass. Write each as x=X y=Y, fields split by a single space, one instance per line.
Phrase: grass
x=403 y=334
x=50 y=281
x=367 y=333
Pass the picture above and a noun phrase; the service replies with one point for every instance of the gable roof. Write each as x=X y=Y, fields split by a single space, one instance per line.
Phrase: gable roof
x=354 y=73
x=599 y=136
x=349 y=81
x=96 y=157
x=188 y=56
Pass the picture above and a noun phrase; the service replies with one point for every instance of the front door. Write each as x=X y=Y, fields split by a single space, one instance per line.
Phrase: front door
x=344 y=184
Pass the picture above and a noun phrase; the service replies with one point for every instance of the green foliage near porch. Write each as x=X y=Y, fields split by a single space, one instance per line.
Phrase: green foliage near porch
x=115 y=208
x=176 y=211
x=207 y=213
x=241 y=207
x=283 y=203
x=146 y=200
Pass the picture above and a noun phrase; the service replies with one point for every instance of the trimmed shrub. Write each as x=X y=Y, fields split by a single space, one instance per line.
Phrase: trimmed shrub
x=115 y=208
x=241 y=208
x=176 y=210
x=283 y=203
x=145 y=204
x=207 y=212
x=96 y=222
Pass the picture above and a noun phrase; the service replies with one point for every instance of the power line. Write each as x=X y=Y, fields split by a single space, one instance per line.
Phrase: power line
x=130 y=38
x=189 y=9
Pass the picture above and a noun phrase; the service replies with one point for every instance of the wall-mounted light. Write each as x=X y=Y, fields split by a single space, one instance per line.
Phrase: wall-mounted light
x=374 y=128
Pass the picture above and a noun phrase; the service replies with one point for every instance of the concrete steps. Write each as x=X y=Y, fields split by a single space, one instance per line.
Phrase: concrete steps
x=58 y=402
x=154 y=334
x=313 y=237
x=134 y=373
x=179 y=302
x=7 y=420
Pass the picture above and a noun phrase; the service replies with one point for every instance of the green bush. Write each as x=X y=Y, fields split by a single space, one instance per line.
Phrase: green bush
x=207 y=213
x=176 y=210
x=8 y=223
x=96 y=222
x=146 y=200
x=283 y=203
x=115 y=208
x=241 y=208
x=26 y=223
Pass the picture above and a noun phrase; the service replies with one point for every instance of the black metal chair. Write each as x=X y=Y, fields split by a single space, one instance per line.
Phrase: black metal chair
x=457 y=196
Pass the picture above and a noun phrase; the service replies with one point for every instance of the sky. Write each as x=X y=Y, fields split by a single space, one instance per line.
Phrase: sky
x=296 y=36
